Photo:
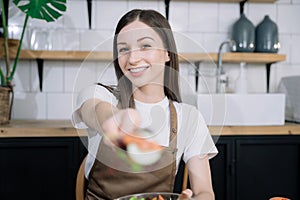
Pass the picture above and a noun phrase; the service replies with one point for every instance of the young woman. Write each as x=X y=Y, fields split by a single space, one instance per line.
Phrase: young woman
x=147 y=96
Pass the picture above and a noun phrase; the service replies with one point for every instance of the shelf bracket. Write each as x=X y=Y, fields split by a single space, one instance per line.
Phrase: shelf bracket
x=242 y=4
x=40 y=65
x=268 y=70
x=197 y=68
x=89 y=6
x=167 y=6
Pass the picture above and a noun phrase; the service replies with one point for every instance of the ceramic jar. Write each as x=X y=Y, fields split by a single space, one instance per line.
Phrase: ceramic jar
x=243 y=33
x=266 y=34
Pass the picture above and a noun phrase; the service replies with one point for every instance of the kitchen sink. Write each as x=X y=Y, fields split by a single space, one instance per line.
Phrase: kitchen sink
x=242 y=109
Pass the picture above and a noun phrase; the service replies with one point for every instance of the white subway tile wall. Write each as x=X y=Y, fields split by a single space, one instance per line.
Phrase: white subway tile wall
x=203 y=17
x=295 y=53
x=59 y=105
x=107 y=13
x=30 y=105
x=228 y=14
x=288 y=18
x=22 y=77
x=286 y=45
x=79 y=75
x=259 y=11
x=199 y=27
x=179 y=15
x=212 y=41
x=77 y=15
x=53 y=76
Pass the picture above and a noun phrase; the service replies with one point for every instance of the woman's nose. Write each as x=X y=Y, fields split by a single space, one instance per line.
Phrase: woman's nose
x=135 y=56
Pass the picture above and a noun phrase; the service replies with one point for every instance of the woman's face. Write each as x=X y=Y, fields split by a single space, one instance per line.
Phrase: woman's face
x=141 y=54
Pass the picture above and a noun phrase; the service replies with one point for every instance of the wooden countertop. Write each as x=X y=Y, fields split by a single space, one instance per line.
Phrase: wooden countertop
x=40 y=128
x=63 y=128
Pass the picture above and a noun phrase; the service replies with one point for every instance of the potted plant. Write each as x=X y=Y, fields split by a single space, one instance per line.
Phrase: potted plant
x=48 y=10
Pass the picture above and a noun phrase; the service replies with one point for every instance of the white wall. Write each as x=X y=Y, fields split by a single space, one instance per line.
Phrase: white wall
x=199 y=27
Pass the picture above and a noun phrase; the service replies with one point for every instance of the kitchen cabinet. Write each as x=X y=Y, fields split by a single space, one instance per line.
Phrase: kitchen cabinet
x=222 y=169
x=247 y=167
x=39 y=168
x=39 y=159
x=257 y=167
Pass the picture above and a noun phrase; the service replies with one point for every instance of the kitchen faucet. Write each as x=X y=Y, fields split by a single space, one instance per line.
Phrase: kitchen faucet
x=220 y=70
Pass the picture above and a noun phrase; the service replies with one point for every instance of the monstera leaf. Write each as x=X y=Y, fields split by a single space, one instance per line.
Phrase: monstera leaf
x=48 y=10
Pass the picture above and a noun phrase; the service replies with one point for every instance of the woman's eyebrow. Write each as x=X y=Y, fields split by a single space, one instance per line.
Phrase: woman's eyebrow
x=146 y=37
x=140 y=39
x=121 y=43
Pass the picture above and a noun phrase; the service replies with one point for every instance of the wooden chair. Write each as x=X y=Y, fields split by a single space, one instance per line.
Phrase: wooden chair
x=80 y=181
x=185 y=178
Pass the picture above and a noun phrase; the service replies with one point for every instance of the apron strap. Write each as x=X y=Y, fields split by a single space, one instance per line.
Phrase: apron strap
x=173 y=125
x=173 y=138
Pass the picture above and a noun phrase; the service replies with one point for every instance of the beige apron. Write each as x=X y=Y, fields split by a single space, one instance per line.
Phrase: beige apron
x=113 y=176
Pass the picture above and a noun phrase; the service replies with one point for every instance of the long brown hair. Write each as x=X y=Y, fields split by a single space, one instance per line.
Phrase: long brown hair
x=161 y=25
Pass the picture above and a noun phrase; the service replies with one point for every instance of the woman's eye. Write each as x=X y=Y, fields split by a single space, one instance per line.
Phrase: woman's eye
x=123 y=50
x=145 y=46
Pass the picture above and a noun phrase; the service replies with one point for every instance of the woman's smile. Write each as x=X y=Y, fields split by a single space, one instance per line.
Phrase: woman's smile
x=138 y=71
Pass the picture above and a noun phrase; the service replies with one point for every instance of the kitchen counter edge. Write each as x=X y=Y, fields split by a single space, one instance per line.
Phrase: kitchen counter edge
x=64 y=128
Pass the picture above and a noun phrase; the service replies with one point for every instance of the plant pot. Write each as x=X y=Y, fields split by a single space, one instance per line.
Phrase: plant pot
x=5 y=104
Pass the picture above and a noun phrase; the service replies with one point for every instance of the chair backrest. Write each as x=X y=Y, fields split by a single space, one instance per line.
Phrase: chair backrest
x=80 y=182
x=185 y=178
x=182 y=178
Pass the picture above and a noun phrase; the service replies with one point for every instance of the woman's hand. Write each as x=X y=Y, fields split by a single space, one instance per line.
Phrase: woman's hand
x=125 y=121
x=186 y=194
x=106 y=118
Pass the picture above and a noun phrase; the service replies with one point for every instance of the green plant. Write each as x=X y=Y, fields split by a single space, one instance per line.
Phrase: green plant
x=48 y=10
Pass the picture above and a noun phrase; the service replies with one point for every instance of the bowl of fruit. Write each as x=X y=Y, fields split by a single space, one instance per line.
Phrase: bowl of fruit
x=154 y=196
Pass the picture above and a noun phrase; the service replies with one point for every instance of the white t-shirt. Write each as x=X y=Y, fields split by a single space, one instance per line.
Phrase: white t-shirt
x=193 y=137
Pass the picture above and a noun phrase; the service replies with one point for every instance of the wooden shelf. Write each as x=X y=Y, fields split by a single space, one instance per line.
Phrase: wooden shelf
x=183 y=57
x=195 y=58
x=66 y=55
x=234 y=57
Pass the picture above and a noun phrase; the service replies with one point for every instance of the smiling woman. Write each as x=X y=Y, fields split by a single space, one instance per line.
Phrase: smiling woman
x=157 y=25
x=146 y=97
